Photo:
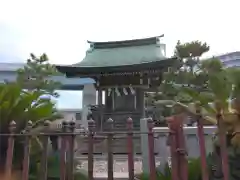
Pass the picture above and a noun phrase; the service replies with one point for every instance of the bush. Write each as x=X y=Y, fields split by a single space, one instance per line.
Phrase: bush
x=194 y=171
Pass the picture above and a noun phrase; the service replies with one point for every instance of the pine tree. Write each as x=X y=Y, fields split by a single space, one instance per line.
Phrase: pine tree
x=36 y=75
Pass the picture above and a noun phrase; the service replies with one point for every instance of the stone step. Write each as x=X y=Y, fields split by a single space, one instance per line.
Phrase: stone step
x=116 y=176
x=104 y=175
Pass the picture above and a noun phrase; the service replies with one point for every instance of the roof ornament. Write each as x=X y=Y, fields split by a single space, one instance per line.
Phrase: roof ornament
x=91 y=48
x=91 y=45
x=158 y=38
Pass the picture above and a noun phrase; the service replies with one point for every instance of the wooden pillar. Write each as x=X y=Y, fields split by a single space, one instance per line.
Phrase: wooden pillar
x=100 y=108
x=99 y=96
x=141 y=97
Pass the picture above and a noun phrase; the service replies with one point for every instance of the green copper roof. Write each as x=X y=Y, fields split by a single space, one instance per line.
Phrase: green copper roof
x=120 y=57
x=122 y=53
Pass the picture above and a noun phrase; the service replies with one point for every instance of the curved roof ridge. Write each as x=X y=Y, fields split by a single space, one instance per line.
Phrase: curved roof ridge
x=125 y=43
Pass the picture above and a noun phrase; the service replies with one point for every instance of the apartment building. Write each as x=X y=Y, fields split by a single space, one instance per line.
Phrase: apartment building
x=231 y=59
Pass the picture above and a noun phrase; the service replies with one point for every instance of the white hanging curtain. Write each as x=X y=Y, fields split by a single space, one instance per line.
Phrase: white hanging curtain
x=117 y=91
x=125 y=91
x=109 y=91
x=132 y=90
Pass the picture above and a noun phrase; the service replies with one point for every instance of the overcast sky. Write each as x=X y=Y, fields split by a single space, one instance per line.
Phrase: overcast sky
x=61 y=27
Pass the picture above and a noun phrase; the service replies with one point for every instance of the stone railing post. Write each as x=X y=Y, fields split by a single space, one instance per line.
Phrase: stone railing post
x=144 y=145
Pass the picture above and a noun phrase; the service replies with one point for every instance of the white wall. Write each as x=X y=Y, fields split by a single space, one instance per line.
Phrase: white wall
x=191 y=136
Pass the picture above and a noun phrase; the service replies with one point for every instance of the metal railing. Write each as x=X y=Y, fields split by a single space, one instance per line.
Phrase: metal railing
x=68 y=134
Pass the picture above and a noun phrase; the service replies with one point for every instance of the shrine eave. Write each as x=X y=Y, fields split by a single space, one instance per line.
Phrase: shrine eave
x=84 y=71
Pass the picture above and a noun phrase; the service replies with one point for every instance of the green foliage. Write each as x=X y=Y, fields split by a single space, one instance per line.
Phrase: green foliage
x=80 y=176
x=212 y=65
x=204 y=98
x=187 y=72
x=210 y=82
x=214 y=161
x=191 y=49
x=21 y=106
x=194 y=168
x=36 y=75
x=53 y=169
x=54 y=165
x=223 y=84
x=190 y=52
x=166 y=175
x=194 y=171
x=233 y=77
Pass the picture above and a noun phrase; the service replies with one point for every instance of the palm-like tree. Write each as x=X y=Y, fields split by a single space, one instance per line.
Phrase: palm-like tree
x=224 y=92
x=21 y=106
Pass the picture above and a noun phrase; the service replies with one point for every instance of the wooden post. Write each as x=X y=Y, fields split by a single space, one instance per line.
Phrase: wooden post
x=70 y=156
x=43 y=166
x=181 y=149
x=223 y=145
x=63 y=151
x=152 y=164
x=91 y=125
x=100 y=108
x=201 y=143
x=8 y=167
x=110 y=149
x=172 y=141
x=25 y=173
x=130 y=149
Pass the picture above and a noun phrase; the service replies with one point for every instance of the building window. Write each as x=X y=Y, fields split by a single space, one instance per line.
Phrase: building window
x=78 y=116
